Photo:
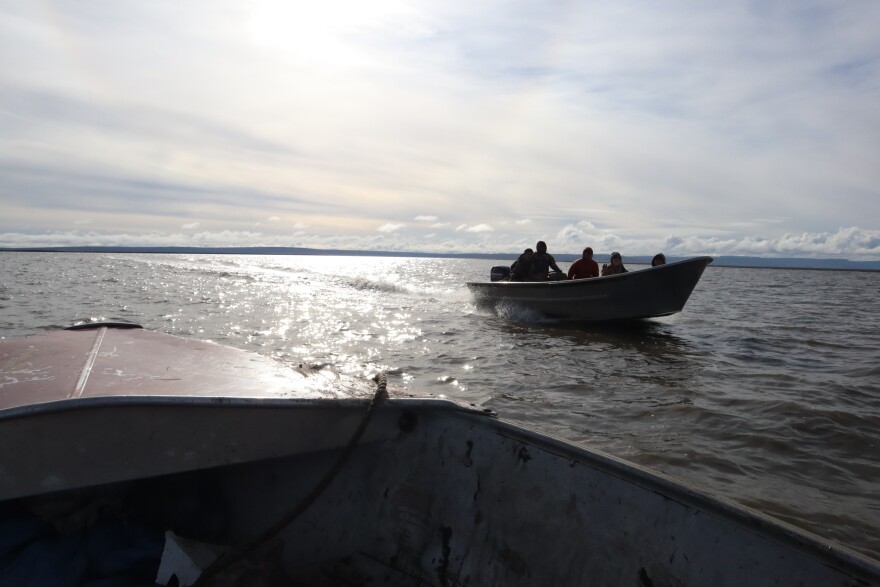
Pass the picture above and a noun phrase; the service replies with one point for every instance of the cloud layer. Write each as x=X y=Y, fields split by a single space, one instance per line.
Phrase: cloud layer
x=722 y=129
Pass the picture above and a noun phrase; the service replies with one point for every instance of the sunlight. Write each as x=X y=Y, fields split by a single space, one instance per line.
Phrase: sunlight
x=326 y=32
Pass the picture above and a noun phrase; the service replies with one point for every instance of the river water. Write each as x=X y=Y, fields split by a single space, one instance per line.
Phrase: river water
x=764 y=390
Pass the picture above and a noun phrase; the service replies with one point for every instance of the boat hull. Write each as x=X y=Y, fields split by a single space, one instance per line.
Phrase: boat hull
x=462 y=499
x=432 y=493
x=647 y=293
x=436 y=494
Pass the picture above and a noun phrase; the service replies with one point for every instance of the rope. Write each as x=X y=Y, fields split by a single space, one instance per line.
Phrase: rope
x=233 y=556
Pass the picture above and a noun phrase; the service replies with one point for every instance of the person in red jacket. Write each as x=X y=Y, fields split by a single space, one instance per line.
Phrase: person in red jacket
x=584 y=267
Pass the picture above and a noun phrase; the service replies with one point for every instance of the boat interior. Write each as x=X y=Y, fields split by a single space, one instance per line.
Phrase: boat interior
x=433 y=493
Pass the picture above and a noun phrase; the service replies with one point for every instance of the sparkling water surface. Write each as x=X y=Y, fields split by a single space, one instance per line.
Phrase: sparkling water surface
x=764 y=390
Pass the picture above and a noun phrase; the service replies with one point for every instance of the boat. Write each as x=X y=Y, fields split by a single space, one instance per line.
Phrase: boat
x=199 y=464
x=644 y=293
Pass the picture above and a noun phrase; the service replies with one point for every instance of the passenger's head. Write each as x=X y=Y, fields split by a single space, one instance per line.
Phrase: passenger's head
x=541 y=247
x=659 y=259
x=588 y=253
x=616 y=259
x=528 y=253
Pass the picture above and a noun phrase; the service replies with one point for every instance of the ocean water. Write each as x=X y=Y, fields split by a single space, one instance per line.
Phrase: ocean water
x=764 y=390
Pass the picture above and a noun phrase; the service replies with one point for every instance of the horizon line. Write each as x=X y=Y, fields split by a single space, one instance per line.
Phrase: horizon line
x=718 y=260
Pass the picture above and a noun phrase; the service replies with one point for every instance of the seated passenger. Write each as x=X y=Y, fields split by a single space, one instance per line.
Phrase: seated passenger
x=521 y=270
x=616 y=267
x=584 y=267
x=542 y=262
x=659 y=259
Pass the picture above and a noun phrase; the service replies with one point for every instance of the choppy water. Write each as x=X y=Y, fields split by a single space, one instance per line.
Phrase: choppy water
x=765 y=390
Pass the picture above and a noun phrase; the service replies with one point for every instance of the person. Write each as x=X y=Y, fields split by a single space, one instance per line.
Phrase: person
x=542 y=262
x=615 y=267
x=584 y=267
x=659 y=259
x=521 y=270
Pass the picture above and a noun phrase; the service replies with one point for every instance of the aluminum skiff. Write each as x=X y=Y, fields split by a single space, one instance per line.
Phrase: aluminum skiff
x=645 y=293
x=216 y=445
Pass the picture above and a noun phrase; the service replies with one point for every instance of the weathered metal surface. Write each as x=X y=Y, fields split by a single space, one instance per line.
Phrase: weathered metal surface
x=658 y=291
x=464 y=500
x=89 y=407
x=109 y=362
x=104 y=405
x=108 y=441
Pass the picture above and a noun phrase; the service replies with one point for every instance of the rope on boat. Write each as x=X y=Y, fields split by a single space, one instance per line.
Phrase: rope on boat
x=233 y=556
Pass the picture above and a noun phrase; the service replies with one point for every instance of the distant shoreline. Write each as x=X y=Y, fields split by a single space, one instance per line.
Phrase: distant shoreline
x=719 y=261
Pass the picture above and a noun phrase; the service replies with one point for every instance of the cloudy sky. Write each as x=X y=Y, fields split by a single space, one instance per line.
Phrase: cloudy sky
x=730 y=127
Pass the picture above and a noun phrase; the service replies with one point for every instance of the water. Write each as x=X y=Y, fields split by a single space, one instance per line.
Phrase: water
x=765 y=390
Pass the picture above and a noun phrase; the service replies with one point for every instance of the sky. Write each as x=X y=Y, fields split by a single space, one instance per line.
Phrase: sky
x=722 y=128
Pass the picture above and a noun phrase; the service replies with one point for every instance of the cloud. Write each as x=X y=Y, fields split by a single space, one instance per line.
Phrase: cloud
x=190 y=226
x=475 y=228
x=391 y=227
x=572 y=234
x=736 y=127
x=849 y=242
x=147 y=239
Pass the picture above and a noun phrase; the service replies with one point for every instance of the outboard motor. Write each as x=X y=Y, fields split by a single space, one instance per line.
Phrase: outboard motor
x=499 y=273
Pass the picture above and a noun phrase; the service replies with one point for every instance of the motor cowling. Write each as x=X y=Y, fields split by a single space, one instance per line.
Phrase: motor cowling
x=499 y=273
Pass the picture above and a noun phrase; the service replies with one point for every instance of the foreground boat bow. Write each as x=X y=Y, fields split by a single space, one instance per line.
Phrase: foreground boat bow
x=434 y=493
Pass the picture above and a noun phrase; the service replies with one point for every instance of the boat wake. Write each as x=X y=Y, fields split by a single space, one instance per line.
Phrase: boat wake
x=521 y=314
x=364 y=284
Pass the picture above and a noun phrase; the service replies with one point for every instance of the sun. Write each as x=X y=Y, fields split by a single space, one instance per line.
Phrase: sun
x=327 y=31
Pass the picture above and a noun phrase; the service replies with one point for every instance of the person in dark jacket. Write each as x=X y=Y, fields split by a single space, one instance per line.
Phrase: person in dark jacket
x=521 y=270
x=615 y=267
x=543 y=262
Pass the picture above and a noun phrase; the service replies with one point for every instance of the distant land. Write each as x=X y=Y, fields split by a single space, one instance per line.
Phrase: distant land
x=507 y=258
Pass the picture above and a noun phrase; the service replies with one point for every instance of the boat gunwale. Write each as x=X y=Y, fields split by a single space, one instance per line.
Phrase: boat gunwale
x=691 y=496
x=193 y=401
